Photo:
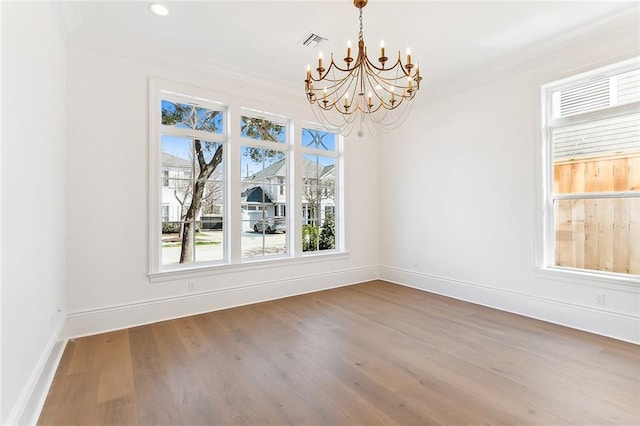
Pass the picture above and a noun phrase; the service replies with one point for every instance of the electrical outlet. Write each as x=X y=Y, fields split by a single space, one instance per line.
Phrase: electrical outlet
x=600 y=299
x=191 y=285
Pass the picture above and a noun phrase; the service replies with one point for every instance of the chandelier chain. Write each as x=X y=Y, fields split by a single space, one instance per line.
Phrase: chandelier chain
x=360 y=37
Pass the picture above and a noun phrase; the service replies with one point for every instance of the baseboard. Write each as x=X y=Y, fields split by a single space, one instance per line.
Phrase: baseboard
x=119 y=317
x=33 y=396
x=598 y=321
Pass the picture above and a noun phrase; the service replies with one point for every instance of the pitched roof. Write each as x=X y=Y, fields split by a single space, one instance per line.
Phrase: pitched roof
x=276 y=169
x=309 y=169
x=255 y=195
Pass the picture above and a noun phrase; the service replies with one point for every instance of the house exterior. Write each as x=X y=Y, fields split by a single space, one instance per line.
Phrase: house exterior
x=177 y=190
x=175 y=187
x=266 y=191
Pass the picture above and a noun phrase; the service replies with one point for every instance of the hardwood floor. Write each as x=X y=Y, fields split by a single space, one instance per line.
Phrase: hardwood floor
x=373 y=353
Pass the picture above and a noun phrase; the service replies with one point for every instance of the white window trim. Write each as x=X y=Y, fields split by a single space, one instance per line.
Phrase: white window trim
x=545 y=231
x=159 y=90
x=338 y=155
x=285 y=147
x=233 y=261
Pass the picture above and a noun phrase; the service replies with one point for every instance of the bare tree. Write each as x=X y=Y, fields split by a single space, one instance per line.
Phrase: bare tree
x=196 y=118
x=207 y=156
x=320 y=183
x=314 y=191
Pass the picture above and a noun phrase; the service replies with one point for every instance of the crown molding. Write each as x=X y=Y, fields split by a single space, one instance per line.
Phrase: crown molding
x=70 y=18
x=236 y=79
x=623 y=24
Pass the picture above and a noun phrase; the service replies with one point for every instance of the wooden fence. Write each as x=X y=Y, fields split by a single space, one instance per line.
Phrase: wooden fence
x=598 y=233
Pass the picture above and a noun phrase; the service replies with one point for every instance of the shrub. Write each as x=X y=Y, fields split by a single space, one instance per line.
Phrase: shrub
x=309 y=238
x=170 y=227
x=328 y=235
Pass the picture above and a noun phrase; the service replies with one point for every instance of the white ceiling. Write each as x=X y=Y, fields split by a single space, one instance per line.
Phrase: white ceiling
x=451 y=40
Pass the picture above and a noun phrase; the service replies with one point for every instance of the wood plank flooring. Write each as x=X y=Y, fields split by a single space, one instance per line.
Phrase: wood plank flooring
x=368 y=354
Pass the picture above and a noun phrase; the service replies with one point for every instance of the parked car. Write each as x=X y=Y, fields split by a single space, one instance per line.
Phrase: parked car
x=271 y=225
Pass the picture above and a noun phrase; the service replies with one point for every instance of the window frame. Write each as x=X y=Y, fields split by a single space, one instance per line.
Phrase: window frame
x=159 y=91
x=546 y=251
x=233 y=141
x=282 y=146
x=337 y=154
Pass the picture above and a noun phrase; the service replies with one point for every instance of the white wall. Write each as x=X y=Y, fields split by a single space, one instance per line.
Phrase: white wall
x=33 y=197
x=459 y=184
x=107 y=197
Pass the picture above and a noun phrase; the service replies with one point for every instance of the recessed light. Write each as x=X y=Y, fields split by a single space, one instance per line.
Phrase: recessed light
x=159 y=9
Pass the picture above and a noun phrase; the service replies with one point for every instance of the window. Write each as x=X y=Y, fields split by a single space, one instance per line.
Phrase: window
x=223 y=178
x=263 y=156
x=281 y=184
x=318 y=189
x=592 y=171
x=192 y=180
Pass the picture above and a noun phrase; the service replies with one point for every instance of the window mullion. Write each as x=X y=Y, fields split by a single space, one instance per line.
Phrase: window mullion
x=234 y=187
x=586 y=117
x=596 y=195
x=191 y=133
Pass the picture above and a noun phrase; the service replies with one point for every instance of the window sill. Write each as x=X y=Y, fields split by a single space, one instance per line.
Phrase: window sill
x=246 y=266
x=598 y=279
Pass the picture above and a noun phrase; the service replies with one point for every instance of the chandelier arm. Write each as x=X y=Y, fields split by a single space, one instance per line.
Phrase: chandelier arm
x=389 y=68
x=328 y=92
x=333 y=64
x=380 y=80
x=372 y=85
x=337 y=91
x=388 y=106
x=332 y=68
x=409 y=89
x=385 y=82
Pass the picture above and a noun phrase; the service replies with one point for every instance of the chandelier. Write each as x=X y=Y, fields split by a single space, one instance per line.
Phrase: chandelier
x=374 y=95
